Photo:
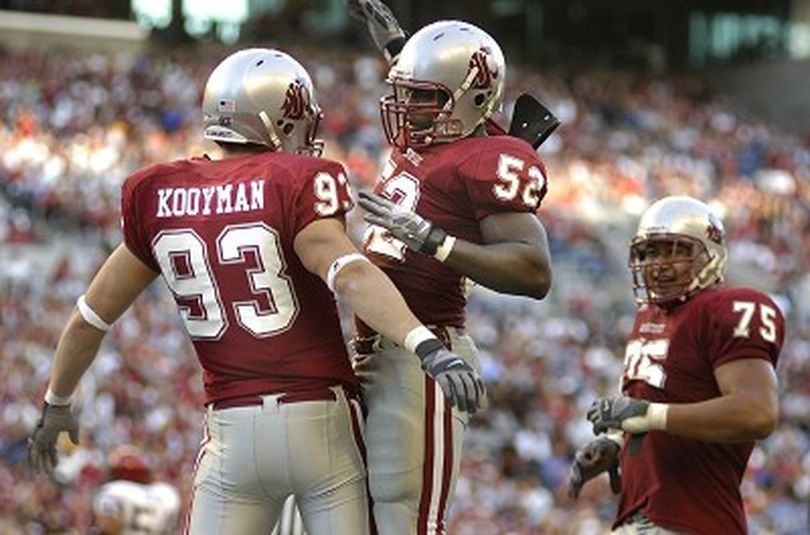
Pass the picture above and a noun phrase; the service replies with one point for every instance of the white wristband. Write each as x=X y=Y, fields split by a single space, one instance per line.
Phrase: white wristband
x=416 y=337
x=443 y=250
x=340 y=263
x=655 y=419
x=657 y=416
x=53 y=399
x=90 y=315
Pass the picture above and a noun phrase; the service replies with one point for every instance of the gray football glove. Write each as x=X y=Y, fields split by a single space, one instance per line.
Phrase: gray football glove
x=597 y=456
x=42 y=445
x=460 y=383
x=382 y=26
x=627 y=414
x=409 y=227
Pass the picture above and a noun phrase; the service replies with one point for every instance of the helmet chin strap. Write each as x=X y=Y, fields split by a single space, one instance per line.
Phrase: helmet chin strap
x=465 y=85
x=709 y=274
x=271 y=131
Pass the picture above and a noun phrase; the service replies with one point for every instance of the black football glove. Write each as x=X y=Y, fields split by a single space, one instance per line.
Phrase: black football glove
x=410 y=228
x=382 y=26
x=460 y=383
x=42 y=445
x=597 y=456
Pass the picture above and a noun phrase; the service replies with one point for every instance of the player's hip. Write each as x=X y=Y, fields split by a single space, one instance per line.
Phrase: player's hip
x=284 y=442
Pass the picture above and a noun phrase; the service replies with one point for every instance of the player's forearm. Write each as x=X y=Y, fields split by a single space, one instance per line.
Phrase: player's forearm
x=75 y=352
x=514 y=268
x=727 y=419
x=375 y=299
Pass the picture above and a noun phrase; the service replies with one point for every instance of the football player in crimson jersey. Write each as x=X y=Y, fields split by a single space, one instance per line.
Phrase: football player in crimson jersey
x=699 y=384
x=252 y=246
x=453 y=203
x=131 y=502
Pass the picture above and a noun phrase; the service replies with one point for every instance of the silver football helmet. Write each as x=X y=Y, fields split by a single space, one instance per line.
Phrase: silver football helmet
x=678 y=250
x=448 y=80
x=262 y=96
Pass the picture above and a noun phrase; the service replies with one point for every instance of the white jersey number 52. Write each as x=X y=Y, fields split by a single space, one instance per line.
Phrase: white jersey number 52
x=402 y=189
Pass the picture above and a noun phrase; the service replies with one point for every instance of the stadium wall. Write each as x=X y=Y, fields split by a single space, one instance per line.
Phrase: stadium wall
x=35 y=30
x=777 y=91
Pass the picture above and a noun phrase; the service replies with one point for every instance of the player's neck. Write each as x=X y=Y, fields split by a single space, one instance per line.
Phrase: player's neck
x=237 y=151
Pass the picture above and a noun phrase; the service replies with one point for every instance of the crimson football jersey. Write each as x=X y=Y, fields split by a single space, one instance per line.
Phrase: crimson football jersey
x=221 y=233
x=681 y=483
x=454 y=185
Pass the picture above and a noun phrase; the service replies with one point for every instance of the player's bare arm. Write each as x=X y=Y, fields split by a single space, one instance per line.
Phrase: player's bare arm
x=325 y=250
x=514 y=257
x=120 y=280
x=748 y=408
x=363 y=285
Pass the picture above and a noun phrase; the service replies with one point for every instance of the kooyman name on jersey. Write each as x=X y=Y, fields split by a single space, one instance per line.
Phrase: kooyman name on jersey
x=225 y=199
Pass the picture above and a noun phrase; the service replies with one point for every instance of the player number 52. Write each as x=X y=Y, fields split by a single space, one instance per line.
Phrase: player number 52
x=509 y=188
x=766 y=317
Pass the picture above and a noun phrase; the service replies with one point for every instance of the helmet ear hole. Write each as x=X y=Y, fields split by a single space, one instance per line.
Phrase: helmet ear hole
x=479 y=99
x=287 y=128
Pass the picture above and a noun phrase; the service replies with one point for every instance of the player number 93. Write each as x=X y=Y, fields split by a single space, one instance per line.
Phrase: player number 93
x=326 y=191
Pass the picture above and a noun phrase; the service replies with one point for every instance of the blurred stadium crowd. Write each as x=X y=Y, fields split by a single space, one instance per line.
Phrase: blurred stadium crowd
x=74 y=125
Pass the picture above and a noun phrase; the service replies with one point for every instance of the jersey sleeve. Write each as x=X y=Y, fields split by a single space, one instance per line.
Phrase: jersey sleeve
x=325 y=192
x=133 y=221
x=504 y=179
x=745 y=324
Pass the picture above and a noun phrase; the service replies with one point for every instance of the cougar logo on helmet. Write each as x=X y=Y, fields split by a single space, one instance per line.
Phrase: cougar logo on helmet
x=295 y=101
x=484 y=75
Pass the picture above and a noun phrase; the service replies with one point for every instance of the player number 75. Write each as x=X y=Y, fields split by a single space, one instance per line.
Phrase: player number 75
x=766 y=316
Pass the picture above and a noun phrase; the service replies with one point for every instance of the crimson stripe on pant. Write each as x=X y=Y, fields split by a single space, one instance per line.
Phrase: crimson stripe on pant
x=197 y=461
x=438 y=454
x=447 y=470
x=357 y=430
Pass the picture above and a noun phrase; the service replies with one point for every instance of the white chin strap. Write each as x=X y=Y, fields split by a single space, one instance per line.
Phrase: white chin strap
x=271 y=131
x=711 y=273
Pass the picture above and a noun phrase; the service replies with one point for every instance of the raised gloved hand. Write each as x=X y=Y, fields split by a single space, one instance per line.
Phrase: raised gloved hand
x=382 y=25
x=597 y=456
x=42 y=445
x=409 y=227
x=627 y=414
x=460 y=383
